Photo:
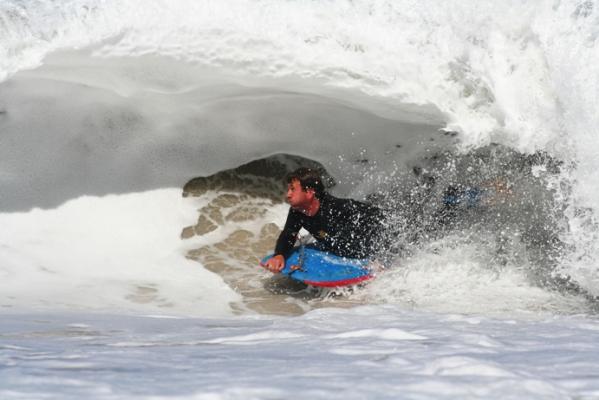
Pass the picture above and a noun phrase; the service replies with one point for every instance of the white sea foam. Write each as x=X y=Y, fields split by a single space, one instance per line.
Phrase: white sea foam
x=403 y=355
x=465 y=278
x=117 y=252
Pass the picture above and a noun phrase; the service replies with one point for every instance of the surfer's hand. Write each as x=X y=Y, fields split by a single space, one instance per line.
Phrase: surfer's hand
x=275 y=264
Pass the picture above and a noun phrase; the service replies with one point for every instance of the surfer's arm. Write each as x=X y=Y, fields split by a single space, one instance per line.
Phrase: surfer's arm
x=284 y=244
x=288 y=236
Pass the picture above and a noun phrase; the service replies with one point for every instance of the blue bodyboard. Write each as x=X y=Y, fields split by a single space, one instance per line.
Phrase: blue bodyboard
x=320 y=268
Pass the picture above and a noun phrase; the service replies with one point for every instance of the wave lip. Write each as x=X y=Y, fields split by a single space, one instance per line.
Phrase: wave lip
x=448 y=55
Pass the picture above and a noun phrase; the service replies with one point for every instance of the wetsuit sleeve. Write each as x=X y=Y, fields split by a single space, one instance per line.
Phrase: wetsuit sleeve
x=288 y=235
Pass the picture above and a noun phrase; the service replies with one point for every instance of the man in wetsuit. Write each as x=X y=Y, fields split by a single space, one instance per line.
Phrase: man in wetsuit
x=345 y=227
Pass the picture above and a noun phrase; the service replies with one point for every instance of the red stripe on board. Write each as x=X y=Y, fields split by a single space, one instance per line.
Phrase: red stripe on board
x=343 y=282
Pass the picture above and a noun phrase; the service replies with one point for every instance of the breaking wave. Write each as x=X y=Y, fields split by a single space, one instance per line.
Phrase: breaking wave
x=403 y=103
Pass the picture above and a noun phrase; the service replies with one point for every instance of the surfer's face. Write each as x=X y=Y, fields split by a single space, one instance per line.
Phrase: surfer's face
x=297 y=197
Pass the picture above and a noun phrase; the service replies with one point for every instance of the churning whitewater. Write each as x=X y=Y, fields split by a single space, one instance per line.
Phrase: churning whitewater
x=143 y=146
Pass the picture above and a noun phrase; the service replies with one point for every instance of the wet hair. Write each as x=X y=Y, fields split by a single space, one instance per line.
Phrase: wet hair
x=308 y=178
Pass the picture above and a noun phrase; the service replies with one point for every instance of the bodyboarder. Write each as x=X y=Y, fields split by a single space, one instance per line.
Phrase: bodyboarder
x=345 y=227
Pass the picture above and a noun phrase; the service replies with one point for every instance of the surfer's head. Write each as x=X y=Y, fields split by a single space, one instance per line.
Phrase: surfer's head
x=304 y=188
x=308 y=178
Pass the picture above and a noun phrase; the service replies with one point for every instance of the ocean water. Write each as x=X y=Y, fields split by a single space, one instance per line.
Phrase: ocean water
x=142 y=146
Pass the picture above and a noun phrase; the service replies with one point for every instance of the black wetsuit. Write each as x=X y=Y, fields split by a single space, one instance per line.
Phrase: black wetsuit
x=345 y=227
